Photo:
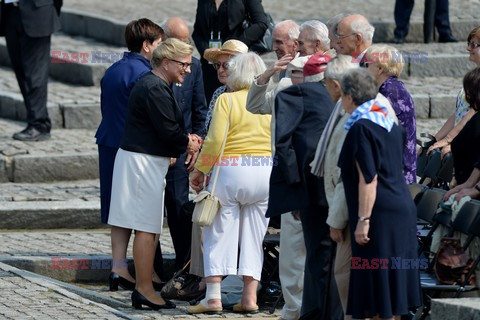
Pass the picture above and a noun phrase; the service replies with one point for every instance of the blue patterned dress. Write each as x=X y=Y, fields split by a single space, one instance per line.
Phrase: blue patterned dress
x=394 y=90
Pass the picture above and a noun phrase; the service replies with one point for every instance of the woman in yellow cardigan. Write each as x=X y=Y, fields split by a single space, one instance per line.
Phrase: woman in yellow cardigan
x=242 y=188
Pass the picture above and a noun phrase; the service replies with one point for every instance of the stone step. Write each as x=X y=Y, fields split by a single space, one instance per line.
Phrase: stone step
x=69 y=106
x=75 y=60
x=107 y=24
x=68 y=155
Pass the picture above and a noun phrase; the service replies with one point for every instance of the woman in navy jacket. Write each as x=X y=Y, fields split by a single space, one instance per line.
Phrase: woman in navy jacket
x=217 y=21
x=142 y=37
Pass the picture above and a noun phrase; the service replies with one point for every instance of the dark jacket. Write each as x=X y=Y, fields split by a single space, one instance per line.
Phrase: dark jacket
x=154 y=121
x=190 y=98
x=238 y=10
x=39 y=17
x=301 y=113
x=116 y=85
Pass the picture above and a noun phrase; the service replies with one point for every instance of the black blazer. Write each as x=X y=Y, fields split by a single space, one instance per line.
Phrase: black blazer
x=39 y=17
x=301 y=113
x=154 y=122
x=237 y=10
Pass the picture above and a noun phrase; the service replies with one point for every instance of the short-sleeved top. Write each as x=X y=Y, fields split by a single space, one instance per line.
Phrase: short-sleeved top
x=378 y=152
x=154 y=122
x=462 y=106
x=402 y=103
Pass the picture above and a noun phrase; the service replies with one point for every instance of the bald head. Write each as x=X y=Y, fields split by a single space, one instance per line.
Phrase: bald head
x=354 y=34
x=176 y=27
x=284 y=37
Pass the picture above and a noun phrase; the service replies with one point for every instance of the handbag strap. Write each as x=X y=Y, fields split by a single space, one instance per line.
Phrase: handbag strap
x=223 y=144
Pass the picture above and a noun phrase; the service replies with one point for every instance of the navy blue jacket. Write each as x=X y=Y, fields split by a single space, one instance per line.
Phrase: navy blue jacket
x=116 y=85
x=190 y=96
x=301 y=113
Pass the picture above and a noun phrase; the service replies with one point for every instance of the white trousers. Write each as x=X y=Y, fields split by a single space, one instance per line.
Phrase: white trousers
x=291 y=265
x=239 y=224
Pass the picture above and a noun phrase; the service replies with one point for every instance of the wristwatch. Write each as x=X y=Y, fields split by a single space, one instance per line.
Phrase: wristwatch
x=363 y=218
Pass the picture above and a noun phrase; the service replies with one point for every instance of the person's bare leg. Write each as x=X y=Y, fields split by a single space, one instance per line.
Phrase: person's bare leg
x=143 y=255
x=249 y=295
x=119 y=238
x=155 y=276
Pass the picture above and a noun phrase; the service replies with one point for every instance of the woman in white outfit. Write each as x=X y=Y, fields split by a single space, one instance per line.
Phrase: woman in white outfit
x=154 y=134
x=242 y=188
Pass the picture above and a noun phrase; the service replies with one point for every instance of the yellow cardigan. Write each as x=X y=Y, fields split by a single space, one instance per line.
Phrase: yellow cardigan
x=248 y=135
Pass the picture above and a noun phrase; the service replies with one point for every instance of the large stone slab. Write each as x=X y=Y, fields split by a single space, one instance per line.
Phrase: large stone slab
x=50 y=214
x=13 y=107
x=3 y=169
x=422 y=105
x=55 y=167
x=82 y=116
x=438 y=65
x=101 y=28
x=442 y=106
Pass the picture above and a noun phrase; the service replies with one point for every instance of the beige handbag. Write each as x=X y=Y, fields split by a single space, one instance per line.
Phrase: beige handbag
x=206 y=204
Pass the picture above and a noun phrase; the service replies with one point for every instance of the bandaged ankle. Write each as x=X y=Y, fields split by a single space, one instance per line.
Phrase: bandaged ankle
x=213 y=291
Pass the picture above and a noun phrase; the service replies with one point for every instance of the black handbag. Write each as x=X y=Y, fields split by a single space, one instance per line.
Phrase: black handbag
x=265 y=43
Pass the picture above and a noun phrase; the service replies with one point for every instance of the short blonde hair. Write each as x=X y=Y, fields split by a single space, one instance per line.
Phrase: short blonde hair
x=170 y=49
x=242 y=70
x=384 y=56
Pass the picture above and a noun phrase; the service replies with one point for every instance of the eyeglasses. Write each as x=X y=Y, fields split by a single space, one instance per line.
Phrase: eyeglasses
x=185 y=65
x=472 y=45
x=224 y=65
x=340 y=37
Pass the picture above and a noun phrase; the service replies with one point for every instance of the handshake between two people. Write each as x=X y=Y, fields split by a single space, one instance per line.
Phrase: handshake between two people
x=193 y=150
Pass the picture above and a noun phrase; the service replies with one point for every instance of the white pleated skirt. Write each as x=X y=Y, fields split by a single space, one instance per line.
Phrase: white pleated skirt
x=138 y=189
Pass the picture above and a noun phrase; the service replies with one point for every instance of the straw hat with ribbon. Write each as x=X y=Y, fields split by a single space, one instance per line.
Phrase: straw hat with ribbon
x=230 y=47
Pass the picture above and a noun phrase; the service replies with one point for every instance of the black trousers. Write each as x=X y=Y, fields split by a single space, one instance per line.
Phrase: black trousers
x=403 y=11
x=30 y=58
x=320 y=294
x=176 y=196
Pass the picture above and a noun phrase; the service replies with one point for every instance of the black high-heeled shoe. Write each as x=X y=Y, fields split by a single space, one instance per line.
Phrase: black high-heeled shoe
x=116 y=280
x=138 y=300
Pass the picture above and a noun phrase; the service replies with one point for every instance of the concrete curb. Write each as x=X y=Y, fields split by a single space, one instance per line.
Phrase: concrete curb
x=456 y=309
x=69 y=291
x=50 y=214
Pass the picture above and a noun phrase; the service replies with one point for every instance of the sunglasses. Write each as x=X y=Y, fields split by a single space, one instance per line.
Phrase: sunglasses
x=224 y=65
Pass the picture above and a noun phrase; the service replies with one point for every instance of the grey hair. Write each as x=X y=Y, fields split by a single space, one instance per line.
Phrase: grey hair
x=333 y=22
x=363 y=27
x=166 y=29
x=360 y=84
x=293 y=28
x=319 y=31
x=242 y=70
x=338 y=66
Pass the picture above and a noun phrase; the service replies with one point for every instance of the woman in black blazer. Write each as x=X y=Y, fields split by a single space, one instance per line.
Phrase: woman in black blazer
x=217 y=21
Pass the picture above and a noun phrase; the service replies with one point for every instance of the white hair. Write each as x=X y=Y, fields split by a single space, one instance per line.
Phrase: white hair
x=242 y=70
x=333 y=22
x=363 y=27
x=293 y=28
x=338 y=66
x=318 y=31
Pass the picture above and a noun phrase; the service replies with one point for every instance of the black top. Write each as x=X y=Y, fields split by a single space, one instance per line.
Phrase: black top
x=154 y=122
x=229 y=22
x=391 y=290
x=465 y=149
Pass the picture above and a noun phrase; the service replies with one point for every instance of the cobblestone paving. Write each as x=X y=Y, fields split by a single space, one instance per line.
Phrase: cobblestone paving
x=66 y=243
x=375 y=10
x=62 y=141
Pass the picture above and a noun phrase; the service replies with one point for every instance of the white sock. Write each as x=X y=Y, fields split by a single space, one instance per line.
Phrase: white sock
x=213 y=292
